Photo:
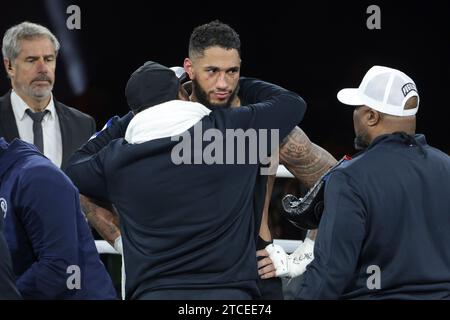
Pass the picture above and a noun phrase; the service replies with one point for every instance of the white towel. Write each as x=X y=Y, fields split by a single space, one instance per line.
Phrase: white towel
x=164 y=120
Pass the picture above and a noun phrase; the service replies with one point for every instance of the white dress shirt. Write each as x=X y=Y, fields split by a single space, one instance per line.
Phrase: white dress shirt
x=50 y=128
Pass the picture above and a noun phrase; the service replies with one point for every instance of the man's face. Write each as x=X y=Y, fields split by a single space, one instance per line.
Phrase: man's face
x=361 y=129
x=215 y=76
x=33 y=71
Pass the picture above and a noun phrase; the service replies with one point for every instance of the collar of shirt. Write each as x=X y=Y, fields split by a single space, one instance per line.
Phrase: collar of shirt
x=21 y=106
x=399 y=137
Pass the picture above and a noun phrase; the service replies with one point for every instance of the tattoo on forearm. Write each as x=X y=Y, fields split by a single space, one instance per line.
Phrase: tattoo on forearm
x=104 y=220
x=304 y=159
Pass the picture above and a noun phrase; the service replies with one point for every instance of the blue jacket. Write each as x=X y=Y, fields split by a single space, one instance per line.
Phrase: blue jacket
x=46 y=231
x=187 y=227
x=8 y=290
x=385 y=231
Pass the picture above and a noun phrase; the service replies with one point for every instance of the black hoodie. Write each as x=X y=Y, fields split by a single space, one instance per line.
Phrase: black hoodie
x=187 y=227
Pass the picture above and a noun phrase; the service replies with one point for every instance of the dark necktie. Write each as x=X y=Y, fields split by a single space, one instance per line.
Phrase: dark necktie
x=37 y=128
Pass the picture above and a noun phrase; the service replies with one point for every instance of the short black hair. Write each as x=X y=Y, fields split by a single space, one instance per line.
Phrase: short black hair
x=213 y=34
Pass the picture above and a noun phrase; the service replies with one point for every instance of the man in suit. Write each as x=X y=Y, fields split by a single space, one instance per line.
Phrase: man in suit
x=29 y=111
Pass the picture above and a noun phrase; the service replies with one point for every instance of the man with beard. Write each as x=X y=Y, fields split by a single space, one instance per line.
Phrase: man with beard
x=29 y=111
x=188 y=227
x=214 y=65
x=214 y=68
x=384 y=232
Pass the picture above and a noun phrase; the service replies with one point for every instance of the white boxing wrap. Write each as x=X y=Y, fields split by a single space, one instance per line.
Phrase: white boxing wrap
x=292 y=265
x=279 y=259
x=300 y=258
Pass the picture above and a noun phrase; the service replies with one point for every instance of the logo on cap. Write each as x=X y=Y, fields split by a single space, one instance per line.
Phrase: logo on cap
x=407 y=88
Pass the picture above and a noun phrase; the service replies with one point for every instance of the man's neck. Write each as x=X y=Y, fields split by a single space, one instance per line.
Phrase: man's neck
x=192 y=97
x=408 y=130
x=36 y=105
x=236 y=102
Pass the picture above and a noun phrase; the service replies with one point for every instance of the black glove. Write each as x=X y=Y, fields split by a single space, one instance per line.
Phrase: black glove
x=306 y=212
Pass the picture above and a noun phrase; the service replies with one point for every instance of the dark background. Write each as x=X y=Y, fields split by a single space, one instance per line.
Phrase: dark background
x=314 y=49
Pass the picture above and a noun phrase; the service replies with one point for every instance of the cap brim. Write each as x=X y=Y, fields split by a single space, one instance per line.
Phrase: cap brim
x=350 y=96
x=179 y=71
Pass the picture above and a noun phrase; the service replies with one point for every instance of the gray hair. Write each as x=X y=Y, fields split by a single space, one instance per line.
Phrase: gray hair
x=25 y=30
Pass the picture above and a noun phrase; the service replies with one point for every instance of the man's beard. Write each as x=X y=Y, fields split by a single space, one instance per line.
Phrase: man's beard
x=202 y=97
x=361 y=141
x=37 y=92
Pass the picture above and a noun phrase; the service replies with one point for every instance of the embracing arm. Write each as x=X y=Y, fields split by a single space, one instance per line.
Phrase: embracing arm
x=86 y=160
x=102 y=218
x=268 y=106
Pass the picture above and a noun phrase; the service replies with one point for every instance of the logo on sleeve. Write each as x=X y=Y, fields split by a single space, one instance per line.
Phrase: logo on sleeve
x=3 y=206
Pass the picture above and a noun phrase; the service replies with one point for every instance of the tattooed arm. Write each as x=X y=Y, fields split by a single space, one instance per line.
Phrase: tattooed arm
x=103 y=220
x=304 y=159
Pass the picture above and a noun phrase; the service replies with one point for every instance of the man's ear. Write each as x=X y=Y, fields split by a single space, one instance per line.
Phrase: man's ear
x=8 y=67
x=189 y=68
x=373 y=117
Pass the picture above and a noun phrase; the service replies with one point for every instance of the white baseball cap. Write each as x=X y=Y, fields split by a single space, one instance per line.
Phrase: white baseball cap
x=383 y=89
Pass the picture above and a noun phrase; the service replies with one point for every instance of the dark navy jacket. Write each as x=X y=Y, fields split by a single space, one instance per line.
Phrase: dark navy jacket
x=45 y=229
x=8 y=290
x=187 y=227
x=387 y=210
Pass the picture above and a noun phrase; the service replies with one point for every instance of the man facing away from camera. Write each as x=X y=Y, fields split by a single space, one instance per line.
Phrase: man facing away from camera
x=384 y=229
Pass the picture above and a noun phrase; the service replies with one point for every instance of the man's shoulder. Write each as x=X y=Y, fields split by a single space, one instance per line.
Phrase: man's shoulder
x=72 y=112
x=439 y=154
x=359 y=166
x=26 y=160
x=39 y=171
x=5 y=98
x=37 y=165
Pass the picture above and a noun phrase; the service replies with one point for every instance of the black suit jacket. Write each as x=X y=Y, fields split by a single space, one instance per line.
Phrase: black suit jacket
x=76 y=126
